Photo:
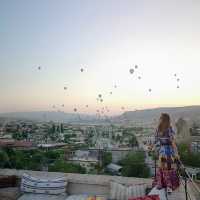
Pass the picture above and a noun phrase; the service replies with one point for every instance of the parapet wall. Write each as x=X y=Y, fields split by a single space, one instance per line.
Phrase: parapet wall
x=82 y=183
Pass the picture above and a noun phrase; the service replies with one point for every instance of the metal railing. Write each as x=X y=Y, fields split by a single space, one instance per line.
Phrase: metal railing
x=185 y=180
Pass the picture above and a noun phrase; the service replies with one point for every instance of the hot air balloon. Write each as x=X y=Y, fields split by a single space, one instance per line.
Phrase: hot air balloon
x=131 y=71
x=39 y=67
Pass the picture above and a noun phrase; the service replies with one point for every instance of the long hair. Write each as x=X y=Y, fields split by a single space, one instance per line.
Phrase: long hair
x=164 y=123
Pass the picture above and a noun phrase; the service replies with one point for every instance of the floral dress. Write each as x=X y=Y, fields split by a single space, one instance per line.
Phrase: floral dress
x=166 y=176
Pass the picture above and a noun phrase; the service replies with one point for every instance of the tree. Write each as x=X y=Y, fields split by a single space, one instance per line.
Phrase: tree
x=52 y=155
x=58 y=129
x=107 y=158
x=187 y=157
x=4 y=159
x=118 y=138
x=61 y=128
x=17 y=136
x=65 y=167
x=133 y=141
x=53 y=128
x=24 y=135
x=133 y=165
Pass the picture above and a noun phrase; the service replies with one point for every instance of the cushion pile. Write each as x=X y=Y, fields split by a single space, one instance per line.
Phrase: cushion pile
x=43 y=186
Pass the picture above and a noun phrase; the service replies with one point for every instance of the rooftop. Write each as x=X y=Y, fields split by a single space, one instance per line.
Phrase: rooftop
x=94 y=184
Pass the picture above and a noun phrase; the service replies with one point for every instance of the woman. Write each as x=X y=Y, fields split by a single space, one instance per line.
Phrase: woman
x=166 y=176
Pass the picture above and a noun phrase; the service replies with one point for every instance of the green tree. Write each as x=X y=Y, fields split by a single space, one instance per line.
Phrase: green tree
x=17 y=136
x=187 y=157
x=24 y=135
x=134 y=165
x=61 y=128
x=4 y=159
x=58 y=129
x=66 y=167
x=52 y=155
x=53 y=128
x=118 y=138
x=107 y=158
x=133 y=141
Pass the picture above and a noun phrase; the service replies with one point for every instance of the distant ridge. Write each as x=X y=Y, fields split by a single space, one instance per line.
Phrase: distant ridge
x=189 y=113
x=49 y=116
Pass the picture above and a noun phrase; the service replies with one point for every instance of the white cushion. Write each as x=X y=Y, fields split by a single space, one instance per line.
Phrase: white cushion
x=77 y=197
x=43 y=186
x=85 y=197
x=122 y=192
x=42 y=197
x=161 y=193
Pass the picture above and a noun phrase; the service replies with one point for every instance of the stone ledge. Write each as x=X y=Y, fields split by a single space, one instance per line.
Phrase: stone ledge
x=89 y=179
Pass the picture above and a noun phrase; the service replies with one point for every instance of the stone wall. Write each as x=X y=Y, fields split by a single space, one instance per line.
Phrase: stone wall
x=82 y=183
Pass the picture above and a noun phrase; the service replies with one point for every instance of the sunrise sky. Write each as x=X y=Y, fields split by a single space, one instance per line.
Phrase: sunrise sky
x=106 y=38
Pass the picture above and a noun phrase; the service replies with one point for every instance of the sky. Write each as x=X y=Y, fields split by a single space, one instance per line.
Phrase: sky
x=106 y=38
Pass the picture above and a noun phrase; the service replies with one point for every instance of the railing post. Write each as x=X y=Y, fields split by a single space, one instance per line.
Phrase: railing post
x=186 y=192
x=155 y=167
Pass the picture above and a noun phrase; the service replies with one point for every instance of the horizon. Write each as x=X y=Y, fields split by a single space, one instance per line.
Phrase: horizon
x=93 y=114
x=62 y=56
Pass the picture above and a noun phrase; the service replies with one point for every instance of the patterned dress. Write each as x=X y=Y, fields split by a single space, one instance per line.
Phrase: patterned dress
x=166 y=176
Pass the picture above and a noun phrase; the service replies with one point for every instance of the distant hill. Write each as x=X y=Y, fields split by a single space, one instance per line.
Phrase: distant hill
x=49 y=116
x=189 y=113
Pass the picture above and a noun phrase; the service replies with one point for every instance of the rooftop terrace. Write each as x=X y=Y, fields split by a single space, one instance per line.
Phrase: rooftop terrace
x=97 y=184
